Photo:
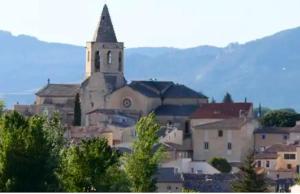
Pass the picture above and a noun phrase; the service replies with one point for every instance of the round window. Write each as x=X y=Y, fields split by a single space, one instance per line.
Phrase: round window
x=126 y=102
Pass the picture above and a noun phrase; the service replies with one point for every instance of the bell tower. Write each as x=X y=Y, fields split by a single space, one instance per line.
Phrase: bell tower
x=104 y=67
x=104 y=54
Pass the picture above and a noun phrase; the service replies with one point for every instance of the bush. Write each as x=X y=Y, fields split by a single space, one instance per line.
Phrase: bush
x=221 y=164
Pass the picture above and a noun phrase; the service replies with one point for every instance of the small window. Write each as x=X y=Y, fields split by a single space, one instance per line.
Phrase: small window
x=175 y=134
x=187 y=127
x=267 y=164
x=258 y=163
x=206 y=145
x=229 y=146
x=109 y=58
x=289 y=166
x=289 y=156
x=220 y=133
x=192 y=170
x=263 y=136
x=120 y=61
x=285 y=137
x=169 y=188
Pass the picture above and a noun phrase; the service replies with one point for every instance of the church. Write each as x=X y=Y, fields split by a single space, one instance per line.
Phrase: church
x=105 y=90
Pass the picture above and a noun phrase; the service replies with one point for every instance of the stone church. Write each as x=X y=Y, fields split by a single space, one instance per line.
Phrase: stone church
x=105 y=93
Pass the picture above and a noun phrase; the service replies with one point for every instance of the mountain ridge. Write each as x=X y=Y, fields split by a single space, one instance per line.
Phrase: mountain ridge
x=257 y=69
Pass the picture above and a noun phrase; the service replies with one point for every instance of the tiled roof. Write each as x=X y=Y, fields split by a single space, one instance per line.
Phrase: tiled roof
x=281 y=148
x=105 y=30
x=221 y=110
x=234 y=123
x=164 y=89
x=209 y=183
x=175 y=110
x=265 y=155
x=59 y=90
x=278 y=130
x=167 y=175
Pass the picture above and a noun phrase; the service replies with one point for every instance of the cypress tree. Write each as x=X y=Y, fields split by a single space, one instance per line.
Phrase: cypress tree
x=249 y=181
x=227 y=98
x=77 y=111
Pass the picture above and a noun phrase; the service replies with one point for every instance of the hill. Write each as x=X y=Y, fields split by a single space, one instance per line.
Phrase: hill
x=264 y=70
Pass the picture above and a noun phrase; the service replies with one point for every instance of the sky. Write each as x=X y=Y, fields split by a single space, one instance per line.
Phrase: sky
x=139 y=23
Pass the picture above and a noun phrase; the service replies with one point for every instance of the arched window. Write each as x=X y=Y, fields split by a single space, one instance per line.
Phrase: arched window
x=109 y=59
x=97 y=61
x=120 y=61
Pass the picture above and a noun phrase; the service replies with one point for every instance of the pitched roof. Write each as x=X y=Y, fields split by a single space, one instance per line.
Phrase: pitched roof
x=167 y=175
x=105 y=30
x=59 y=90
x=175 y=110
x=221 y=110
x=164 y=89
x=265 y=155
x=281 y=148
x=234 y=123
x=277 y=130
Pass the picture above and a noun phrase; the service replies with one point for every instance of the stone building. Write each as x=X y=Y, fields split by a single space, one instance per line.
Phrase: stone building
x=105 y=87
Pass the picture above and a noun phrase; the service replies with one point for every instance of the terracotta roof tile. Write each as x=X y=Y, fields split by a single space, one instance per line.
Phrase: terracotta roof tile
x=221 y=110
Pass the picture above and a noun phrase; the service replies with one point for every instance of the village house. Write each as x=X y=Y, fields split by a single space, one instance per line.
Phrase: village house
x=222 y=130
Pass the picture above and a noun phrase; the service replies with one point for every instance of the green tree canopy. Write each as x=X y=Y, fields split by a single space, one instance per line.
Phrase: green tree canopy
x=84 y=167
x=29 y=153
x=141 y=165
x=249 y=181
x=221 y=164
x=227 y=98
x=2 y=106
x=77 y=111
x=278 y=118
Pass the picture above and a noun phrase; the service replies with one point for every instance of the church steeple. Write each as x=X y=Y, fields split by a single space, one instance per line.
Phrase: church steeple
x=105 y=30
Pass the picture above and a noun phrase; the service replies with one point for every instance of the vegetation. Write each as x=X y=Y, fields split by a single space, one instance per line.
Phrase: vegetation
x=221 y=164
x=142 y=163
x=29 y=153
x=77 y=111
x=249 y=181
x=278 y=118
x=227 y=98
x=85 y=167
x=2 y=106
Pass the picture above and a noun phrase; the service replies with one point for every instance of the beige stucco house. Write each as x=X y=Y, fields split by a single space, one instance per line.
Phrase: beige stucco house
x=222 y=130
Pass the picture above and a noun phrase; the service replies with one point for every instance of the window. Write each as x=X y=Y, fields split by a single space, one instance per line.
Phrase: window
x=109 y=59
x=97 y=61
x=285 y=137
x=289 y=166
x=127 y=102
x=289 y=156
x=88 y=56
x=187 y=127
x=192 y=170
x=206 y=145
x=169 y=188
x=258 y=163
x=220 y=133
x=120 y=61
x=267 y=164
x=263 y=136
x=229 y=146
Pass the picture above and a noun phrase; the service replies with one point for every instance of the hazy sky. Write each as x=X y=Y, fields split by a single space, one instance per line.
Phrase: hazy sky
x=177 y=23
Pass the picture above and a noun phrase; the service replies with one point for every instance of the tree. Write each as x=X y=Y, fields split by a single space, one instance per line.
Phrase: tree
x=2 y=106
x=142 y=163
x=227 y=98
x=279 y=118
x=77 y=111
x=221 y=164
x=29 y=153
x=84 y=167
x=213 y=100
x=249 y=181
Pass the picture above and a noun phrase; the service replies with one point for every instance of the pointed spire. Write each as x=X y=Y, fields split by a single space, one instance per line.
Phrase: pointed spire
x=105 y=30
